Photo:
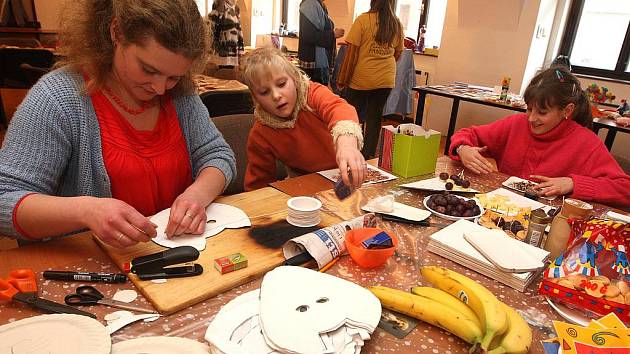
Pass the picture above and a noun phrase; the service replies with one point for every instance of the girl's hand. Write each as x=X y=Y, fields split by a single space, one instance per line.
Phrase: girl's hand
x=188 y=215
x=349 y=158
x=549 y=187
x=117 y=223
x=473 y=160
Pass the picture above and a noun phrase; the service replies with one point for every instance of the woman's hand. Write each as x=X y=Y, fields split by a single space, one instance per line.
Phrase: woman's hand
x=473 y=160
x=188 y=212
x=117 y=223
x=188 y=215
x=339 y=32
x=351 y=163
x=549 y=187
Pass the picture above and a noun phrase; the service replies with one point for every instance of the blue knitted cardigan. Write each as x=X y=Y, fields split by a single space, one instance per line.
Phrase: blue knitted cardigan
x=53 y=145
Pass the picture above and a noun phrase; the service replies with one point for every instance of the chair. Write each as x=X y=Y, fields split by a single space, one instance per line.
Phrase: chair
x=20 y=42
x=11 y=75
x=235 y=129
x=222 y=102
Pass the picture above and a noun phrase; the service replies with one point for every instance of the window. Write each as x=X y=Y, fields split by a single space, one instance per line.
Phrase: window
x=204 y=6
x=597 y=38
x=412 y=15
x=291 y=14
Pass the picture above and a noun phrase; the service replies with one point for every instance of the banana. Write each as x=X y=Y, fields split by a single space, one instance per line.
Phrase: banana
x=448 y=300
x=481 y=300
x=518 y=338
x=430 y=311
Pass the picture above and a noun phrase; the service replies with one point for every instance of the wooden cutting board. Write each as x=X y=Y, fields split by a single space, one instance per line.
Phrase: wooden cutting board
x=263 y=206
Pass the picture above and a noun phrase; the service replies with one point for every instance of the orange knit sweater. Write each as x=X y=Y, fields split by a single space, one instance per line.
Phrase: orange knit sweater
x=307 y=147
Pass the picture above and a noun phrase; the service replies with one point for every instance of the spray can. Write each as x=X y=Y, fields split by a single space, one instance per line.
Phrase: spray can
x=538 y=221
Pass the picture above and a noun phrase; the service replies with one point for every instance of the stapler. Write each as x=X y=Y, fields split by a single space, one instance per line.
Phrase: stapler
x=157 y=265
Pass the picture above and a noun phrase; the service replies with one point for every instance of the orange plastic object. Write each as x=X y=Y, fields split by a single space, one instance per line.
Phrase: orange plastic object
x=368 y=258
x=24 y=280
x=7 y=291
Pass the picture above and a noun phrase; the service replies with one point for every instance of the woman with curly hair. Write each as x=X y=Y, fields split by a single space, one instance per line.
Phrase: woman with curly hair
x=116 y=133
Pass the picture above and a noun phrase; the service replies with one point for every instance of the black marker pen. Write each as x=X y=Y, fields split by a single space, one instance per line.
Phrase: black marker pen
x=85 y=276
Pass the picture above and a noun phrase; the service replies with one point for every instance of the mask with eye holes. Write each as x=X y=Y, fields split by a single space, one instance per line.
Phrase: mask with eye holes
x=297 y=305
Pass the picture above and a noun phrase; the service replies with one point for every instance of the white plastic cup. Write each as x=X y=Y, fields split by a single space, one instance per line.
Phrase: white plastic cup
x=303 y=211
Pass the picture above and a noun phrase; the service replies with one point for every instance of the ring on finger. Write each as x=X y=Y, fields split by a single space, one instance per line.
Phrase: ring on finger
x=189 y=215
x=120 y=236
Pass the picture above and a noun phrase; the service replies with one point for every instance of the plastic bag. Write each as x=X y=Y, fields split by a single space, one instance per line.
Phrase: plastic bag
x=593 y=273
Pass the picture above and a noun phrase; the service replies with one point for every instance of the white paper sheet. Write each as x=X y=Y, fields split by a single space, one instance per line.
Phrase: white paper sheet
x=435 y=184
x=219 y=216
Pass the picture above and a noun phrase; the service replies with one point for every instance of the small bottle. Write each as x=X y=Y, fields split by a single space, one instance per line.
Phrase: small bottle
x=505 y=87
x=538 y=221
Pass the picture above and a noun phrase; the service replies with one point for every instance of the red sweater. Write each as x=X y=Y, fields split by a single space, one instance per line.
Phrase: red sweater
x=568 y=150
x=307 y=147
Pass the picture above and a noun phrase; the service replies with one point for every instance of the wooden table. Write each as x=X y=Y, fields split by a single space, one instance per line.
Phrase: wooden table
x=401 y=271
x=612 y=128
x=457 y=96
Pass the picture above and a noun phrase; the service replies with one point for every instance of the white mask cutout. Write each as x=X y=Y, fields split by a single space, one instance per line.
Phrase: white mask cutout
x=218 y=216
x=301 y=308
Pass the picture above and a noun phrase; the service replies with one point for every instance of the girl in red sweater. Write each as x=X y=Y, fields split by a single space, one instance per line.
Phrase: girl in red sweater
x=551 y=143
x=299 y=122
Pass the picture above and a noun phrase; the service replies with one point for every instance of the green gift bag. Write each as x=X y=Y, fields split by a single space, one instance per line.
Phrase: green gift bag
x=408 y=150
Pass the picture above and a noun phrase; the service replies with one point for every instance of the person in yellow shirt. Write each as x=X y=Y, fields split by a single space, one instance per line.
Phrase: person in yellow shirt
x=368 y=72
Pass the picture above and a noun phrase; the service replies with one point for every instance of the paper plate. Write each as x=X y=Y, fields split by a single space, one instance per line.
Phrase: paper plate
x=450 y=217
x=569 y=314
x=160 y=345
x=402 y=211
x=56 y=333
x=436 y=184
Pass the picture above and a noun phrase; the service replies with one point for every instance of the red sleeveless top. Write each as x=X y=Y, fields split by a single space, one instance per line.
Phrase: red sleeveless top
x=147 y=169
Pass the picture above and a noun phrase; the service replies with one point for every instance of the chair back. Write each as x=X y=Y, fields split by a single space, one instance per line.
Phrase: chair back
x=225 y=102
x=21 y=42
x=235 y=130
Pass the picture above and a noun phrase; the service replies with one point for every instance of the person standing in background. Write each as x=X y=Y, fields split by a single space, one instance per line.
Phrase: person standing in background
x=368 y=72
x=224 y=25
x=317 y=44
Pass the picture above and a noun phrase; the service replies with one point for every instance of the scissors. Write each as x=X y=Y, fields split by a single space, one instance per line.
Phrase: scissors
x=88 y=295
x=21 y=286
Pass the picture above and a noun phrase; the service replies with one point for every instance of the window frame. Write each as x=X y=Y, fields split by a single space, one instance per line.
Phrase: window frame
x=568 y=40
x=424 y=16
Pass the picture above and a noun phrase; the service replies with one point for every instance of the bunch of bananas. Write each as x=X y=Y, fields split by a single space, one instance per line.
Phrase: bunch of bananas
x=463 y=307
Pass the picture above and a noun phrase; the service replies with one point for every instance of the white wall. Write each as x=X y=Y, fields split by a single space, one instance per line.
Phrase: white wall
x=483 y=41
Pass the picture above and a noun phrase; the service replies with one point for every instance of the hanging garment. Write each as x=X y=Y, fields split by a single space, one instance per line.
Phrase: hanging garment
x=225 y=31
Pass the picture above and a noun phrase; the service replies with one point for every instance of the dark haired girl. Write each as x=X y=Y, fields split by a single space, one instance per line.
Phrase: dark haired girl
x=551 y=143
